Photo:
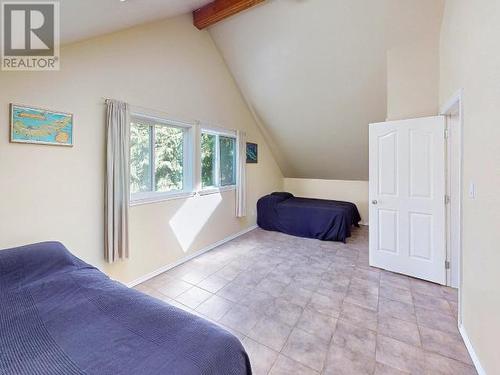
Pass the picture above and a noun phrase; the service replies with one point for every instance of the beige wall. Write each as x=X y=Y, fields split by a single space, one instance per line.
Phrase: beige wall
x=470 y=59
x=413 y=60
x=56 y=193
x=351 y=191
x=413 y=80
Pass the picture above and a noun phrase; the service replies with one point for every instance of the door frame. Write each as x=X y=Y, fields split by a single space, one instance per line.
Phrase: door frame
x=454 y=107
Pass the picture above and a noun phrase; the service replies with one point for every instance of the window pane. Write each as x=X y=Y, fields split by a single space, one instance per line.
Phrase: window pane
x=208 y=160
x=140 y=158
x=169 y=158
x=227 y=161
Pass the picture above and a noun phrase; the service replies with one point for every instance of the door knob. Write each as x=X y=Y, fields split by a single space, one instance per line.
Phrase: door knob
x=374 y=201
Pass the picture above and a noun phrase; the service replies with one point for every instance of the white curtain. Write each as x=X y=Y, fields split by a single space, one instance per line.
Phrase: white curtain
x=117 y=189
x=241 y=192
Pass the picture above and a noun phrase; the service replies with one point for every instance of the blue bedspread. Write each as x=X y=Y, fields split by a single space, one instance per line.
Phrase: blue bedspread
x=312 y=218
x=58 y=315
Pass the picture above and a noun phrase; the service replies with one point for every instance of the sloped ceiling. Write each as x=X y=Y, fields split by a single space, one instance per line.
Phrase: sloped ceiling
x=314 y=74
x=82 y=19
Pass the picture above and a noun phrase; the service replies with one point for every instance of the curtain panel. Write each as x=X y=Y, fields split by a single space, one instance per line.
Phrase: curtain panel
x=117 y=186
x=241 y=182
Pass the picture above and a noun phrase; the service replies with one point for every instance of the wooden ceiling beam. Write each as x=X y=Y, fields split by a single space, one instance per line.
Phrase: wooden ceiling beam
x=218 y=10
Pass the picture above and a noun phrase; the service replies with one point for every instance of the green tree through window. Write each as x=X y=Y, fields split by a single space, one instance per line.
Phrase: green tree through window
x=161 y=170
x=208 y=150
x=218 y=160
x=227 y=147
x=169 y=158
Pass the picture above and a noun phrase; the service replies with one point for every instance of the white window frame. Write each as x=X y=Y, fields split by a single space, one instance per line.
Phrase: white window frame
x=188 y=159
x=218 y=133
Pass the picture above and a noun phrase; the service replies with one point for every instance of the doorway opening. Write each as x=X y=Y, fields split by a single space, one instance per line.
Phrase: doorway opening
x=453 y=111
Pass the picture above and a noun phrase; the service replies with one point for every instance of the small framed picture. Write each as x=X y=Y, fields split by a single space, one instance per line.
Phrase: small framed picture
x=40 y=126
x=252 y=153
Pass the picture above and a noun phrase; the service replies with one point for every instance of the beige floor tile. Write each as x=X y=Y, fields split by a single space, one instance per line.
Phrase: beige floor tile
x=396 y=309
x=359 y=316
x=258 y=298
x=241 y=318
x=399 y=355
x=438 y=304
x=439 y=365
x=174 y=288
x=341 y=361
x=213 y=283
x=394 y=280
x=215 y=307
x=158 y=281
x=284 y=311
x=229 y=272
x=381 y=369
x=307 y=349
x=355 y=339
x=366 y=286
x=399 y=329
x=338 y=284
x=193 y=297
x=272 y=287
x=327 y=305
x=454 y=309
x=296 y=295
x=436 y=320
x=372 y=274
x=261 y=357
x=287 y=366
x=362 y=298
x=450 y=294
x=291 y=294
x=396 y=294
x=195 y=276
x=271 y=332
x=317 y=324
x=234 y=292
x=427 y=288
x=446 y=344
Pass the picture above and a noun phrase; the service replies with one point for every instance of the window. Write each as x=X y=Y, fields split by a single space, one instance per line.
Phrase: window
x=218 y=160
x=158 y=158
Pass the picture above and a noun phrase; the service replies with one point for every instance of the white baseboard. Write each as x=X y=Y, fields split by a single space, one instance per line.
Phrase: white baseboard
x=475 y=359
x=189 y=257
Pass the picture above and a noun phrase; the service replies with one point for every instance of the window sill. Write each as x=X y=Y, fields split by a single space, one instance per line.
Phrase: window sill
x=160 y=197
x=216 y=190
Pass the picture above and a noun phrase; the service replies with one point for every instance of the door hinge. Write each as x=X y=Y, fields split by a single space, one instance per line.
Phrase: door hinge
x=447 y=264
x=446 y=133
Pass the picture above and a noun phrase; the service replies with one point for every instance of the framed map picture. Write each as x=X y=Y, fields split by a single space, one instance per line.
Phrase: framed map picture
x=252 y=153
x=42 y=126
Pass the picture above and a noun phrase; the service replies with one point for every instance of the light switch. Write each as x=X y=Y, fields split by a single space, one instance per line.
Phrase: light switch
x=472 y=190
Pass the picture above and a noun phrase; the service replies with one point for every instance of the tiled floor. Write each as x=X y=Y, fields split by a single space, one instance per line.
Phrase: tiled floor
x=304 y=306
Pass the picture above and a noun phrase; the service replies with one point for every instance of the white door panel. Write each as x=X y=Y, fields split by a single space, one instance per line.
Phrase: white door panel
x=407 y=189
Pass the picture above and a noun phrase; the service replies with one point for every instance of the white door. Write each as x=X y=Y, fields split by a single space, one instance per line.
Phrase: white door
x=407 y=197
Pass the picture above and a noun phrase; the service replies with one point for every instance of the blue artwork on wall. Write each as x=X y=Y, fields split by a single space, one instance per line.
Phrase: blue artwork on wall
x=252 y=153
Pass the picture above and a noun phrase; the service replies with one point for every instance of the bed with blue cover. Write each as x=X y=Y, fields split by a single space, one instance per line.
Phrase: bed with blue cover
x=59 y=315
x=326 y=220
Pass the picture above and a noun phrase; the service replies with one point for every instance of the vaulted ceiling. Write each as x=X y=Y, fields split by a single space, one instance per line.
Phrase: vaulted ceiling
x=82 y=19
x=314 y=74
